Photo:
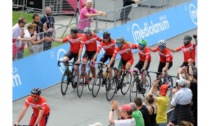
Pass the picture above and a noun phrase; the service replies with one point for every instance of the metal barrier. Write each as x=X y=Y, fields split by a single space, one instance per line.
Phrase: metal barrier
x=113 y=18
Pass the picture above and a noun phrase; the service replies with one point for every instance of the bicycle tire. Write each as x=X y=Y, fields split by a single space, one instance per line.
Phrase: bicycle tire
x=80 y=87
x=113 y=89
x=107 y=84
x=96 y=86
x=126 y=86
x=170 y=79
x=64 y=83
x=133 y=90
x=74 y=85
x=148 y=82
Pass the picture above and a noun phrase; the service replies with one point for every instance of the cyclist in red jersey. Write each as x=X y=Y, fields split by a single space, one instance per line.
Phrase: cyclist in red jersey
x=75 y=50
x=144 y=60
x=108 y=44
x=166 y=58
x=188 y=49
x=41 y=109
x=90 y=41
x=124 y=49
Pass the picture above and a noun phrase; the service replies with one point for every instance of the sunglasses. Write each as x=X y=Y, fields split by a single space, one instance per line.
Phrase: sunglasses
x=141 y=45
x=106 y=38
x=34 y=96
x=161 y=47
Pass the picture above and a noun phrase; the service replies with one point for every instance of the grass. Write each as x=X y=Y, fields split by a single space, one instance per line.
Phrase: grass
x=16 y=15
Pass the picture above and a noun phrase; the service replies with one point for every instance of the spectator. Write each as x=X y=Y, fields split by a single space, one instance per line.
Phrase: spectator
x=152 y=108
x=34 y=44
x=125 y=112
x=192 y=84
x=137 y=115
x=181 y=103
x=143 y=109
x=162 y=102
x=39 y=30
x=41 y=109
x=48 y=27
x=126 y=10
x=86 y=13
x=16 y=32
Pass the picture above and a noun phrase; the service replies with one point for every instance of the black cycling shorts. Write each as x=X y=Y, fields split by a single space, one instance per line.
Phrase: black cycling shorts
x=161 y=65
x=89 y=55
x=186 y=64
x=105 y=57
x=140 y=65
x=71 y=55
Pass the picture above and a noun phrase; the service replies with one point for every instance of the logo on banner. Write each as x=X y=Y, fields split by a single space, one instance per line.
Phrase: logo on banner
x=60 y=54
x=16 y=78
x=193 y=13
x=150 y=28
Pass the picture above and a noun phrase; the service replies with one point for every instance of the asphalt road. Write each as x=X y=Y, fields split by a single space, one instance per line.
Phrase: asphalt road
x=69 y=110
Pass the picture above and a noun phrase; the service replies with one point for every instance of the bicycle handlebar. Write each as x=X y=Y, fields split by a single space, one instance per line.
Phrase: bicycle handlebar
x=69 y=63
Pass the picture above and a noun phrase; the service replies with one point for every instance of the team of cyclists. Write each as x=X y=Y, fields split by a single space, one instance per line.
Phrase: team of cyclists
x=89 y=39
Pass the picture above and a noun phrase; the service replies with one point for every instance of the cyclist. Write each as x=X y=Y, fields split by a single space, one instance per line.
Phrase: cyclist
x=124 y=49
x=108 y=44
x=166 y=59
x=90 y=41
x=41 y=109
x=75 y=50
x=144 y=60
x=188 y=49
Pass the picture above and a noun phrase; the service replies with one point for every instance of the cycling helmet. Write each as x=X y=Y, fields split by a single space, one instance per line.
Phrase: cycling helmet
x=143 y=42
x=36 y=91
x=187 y=38
x=87 y=30
x=120 y=40
x=74 y=30
x=106 y=34
x=162 y=43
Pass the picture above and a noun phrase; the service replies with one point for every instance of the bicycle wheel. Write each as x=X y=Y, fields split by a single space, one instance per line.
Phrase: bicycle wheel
x=170 y=79
x=80 y=86
x=112 y=90
x=133 y=90
x=64 y=83
x=126 y=85
x=74 y=85
x=107 y=84
x=96 y=86
x=148 y=82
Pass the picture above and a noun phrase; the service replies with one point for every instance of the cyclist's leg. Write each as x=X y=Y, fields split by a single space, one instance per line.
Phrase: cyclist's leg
x=84 y=61
x=120 y=66
x=44 y=120
x=138 y=66
x=67 y=57
x=144 y=74
x=110 y=69
x=92 y=68
x=76 y=67
x=160 y=67
x=32 y=120
x=128 y=64
x=104 y=58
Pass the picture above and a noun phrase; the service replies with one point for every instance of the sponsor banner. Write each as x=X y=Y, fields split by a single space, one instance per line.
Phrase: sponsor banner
x=39 y=70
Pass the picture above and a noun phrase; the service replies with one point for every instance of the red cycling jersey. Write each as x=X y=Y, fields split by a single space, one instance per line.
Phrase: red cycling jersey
x=189 y=52
x=91 y=43
x=75 y=44
x=165 y=55
x=125 y=51
x=41 y=104
x=109 y=47
x=144 y=54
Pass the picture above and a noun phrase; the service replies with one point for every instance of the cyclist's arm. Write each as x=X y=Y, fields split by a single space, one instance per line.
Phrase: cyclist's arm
x=58 y=40
x=41 y=113
x=153 y=49
x=145 y=64
x=172 y=50
x=97 y=52
x=22 y=113
x=166 y=67
x=196 y=41
x=79 y=55
x=113 y=57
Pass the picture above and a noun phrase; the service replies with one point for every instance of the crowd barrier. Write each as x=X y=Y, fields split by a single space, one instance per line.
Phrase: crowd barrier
x=41 y=70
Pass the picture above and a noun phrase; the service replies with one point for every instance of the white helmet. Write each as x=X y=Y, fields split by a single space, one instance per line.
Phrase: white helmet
x=162 y=43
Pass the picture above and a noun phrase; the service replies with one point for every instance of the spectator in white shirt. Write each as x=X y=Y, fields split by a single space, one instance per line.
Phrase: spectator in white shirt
x=181 y=102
